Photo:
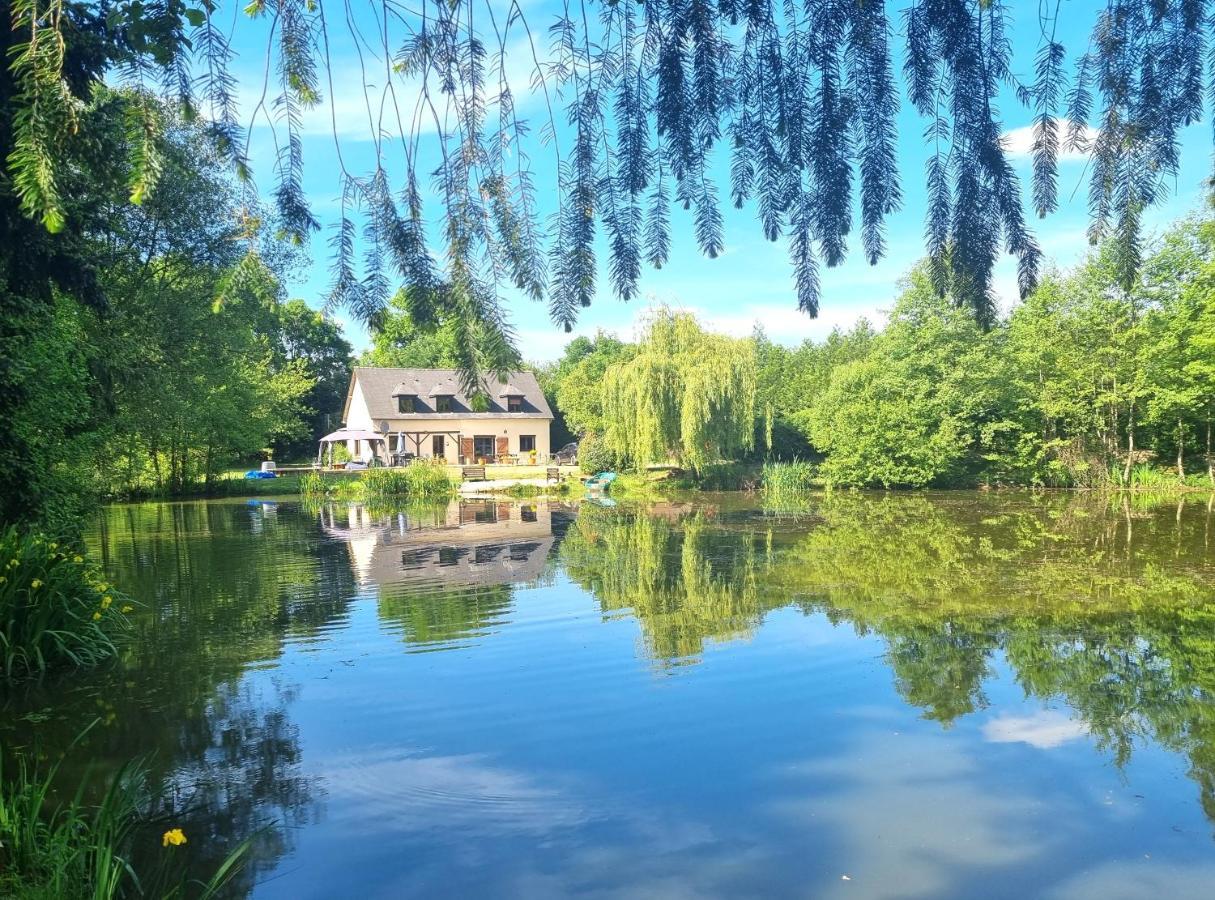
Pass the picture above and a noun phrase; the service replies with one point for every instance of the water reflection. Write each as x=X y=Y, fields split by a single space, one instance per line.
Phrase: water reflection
x=1110 y=610
x=921 y=692
x=445 y=574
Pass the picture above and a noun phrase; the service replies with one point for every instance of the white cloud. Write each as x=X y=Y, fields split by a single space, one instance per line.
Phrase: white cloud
x=1045 y=729
x=1020 y=141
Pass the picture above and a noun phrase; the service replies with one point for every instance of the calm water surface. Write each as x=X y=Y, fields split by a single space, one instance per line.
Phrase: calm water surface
x=871 y=696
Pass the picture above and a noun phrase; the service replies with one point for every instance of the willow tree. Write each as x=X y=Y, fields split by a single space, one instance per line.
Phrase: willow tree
x=688 y=395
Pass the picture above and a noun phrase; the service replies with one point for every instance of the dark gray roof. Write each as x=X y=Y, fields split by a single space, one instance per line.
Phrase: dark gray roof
x=381 y=386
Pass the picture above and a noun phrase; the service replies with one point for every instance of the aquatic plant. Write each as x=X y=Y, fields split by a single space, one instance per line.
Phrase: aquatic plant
x=72 y=849
x=786 y=480
x=55 y=607
x=419 y=479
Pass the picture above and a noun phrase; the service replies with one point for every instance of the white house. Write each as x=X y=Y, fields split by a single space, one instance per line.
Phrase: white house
x=426 y=413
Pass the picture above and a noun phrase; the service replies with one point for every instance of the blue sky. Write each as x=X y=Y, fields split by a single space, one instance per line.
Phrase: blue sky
x=752 y=282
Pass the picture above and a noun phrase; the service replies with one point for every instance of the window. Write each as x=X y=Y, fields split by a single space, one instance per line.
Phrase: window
x=514 y=403
x=528 y=514
x=527 y=443
x=483 y=446
x=405 y=403
x=437 y=447
x=443 y=403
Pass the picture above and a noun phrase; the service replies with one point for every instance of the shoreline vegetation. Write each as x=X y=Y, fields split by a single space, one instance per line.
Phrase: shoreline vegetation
x=103 y=849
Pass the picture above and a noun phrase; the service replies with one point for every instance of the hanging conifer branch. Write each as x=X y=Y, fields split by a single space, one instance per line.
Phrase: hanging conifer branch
x=642 y=104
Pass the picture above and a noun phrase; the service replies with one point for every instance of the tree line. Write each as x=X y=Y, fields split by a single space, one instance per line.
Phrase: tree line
x=1085 y=383
x=184 y=356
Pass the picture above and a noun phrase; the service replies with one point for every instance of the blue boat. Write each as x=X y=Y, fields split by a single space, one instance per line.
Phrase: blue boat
x=600 y=481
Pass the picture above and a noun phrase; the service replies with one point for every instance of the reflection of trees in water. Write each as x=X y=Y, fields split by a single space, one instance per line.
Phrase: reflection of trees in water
x=223 y=586
x=434 y=615
x=1115 y=619
x=685 y=580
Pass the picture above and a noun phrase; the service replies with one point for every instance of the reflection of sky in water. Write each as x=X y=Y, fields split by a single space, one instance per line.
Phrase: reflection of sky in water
x=545 y=746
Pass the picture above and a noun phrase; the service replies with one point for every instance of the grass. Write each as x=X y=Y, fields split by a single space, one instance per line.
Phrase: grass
x=51 y=848
x=55 y=607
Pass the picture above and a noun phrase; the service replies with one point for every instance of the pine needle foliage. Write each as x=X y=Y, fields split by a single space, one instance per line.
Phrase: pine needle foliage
x=687 y=395
x=802 y=98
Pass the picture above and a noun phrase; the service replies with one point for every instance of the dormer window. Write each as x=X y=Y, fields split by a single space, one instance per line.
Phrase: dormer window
x=514 y=403
x=443 y=403
x=405 y=403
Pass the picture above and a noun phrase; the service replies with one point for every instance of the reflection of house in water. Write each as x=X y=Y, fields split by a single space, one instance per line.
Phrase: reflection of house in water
x=470 y=542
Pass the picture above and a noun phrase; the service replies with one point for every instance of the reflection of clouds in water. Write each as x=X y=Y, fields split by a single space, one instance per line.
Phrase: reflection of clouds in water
x=908 y=817
x=1044 y=729
x=606 y=846
x=1135 y=881
x=406 y=792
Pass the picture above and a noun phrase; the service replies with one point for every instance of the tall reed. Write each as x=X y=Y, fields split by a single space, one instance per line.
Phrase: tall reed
x=787 y=479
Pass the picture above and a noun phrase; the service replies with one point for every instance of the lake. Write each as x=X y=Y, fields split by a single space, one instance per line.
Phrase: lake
x=918 y=695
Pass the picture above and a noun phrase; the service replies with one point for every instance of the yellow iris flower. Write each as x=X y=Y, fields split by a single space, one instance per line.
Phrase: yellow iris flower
x=174 y=836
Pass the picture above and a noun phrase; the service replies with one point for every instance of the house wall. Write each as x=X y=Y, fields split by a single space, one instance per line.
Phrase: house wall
x=510 y=428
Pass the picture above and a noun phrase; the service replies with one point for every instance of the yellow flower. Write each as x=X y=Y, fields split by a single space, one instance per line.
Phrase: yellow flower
x=106 y=601
x=96 y=616
x=77 y=559
x=35 y=584
x=174 y=836
x=127 y=609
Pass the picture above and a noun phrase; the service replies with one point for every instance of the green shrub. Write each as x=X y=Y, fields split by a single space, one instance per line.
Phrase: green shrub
x=594 y=456
x=55 y=608
x=313 y=484
x=423 y=479
x=418 y=479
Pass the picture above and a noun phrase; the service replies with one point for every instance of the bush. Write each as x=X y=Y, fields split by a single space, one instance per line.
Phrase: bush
x=418 y=479
x=55 y=608
x=594 y=456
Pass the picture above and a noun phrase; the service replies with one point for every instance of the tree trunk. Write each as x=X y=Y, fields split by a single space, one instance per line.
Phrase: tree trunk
x=1130 y=445
x=1210 y=458
x=1180 y=450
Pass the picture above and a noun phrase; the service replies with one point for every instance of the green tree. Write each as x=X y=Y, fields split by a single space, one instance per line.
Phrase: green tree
x=306 y=337
x=577 y=381
x=922 y=406
x=686 y=395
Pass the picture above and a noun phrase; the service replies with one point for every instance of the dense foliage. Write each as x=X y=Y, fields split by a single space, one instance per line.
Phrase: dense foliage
x=1084 y=383
x=804 y=96
x=686 y=395
x=191 y=359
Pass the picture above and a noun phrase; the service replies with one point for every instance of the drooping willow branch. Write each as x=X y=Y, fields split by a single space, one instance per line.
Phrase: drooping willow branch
x=638 y=104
